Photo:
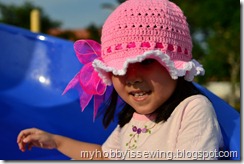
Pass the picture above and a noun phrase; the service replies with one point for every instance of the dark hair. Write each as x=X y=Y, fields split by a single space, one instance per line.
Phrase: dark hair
x=183 y=90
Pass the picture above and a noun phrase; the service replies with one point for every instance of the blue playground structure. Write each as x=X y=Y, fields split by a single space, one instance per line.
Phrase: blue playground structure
x=34 y=70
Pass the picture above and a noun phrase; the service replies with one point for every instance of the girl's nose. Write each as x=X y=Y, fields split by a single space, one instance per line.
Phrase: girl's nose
x=133 y=75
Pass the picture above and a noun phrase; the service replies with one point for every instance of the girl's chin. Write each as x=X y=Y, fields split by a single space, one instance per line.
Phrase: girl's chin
x=144 y=111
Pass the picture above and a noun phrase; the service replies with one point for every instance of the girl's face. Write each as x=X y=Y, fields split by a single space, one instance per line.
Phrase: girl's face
x=146 y=86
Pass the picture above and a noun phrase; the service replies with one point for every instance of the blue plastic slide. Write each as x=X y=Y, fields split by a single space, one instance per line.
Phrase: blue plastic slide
x=34 y=70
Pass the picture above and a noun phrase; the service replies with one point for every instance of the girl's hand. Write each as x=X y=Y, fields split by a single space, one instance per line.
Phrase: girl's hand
x=35 y=137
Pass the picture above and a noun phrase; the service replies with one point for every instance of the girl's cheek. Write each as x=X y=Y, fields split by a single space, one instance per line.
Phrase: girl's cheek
x=110 y=76
x=114 y=82
x=117 y=84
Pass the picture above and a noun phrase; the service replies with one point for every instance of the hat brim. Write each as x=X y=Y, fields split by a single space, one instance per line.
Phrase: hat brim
x=176 y=68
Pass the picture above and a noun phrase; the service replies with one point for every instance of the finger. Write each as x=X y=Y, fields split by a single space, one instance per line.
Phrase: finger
x=25 y=132
x=35 y=144
x=30 y=145
x=41 y=144
x=20 y=137
x=21 y=146
x=31 y=138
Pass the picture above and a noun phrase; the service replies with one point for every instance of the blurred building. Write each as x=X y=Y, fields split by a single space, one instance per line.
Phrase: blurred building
x=72 y=35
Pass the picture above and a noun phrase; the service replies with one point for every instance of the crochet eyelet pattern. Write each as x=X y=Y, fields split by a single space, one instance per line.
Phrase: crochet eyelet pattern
x=157 y=24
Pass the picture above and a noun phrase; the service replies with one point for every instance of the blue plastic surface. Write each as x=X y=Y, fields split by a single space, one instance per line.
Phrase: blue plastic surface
x=34 y=70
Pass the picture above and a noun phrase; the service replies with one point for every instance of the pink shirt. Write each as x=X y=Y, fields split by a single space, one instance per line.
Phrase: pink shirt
x=191 y=132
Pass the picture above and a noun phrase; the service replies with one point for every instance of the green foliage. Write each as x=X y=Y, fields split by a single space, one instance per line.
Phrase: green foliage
x=121 y=1
x=218 y=22
x=94 y=32
x=20 y=16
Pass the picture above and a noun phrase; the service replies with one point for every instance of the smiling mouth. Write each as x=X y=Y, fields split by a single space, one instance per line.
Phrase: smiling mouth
x=138 y=94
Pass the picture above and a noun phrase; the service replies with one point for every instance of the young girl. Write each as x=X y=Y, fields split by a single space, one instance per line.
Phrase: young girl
x=146 y=56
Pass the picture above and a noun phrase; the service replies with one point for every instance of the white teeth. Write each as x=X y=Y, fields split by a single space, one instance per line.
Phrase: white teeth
x=139 y=94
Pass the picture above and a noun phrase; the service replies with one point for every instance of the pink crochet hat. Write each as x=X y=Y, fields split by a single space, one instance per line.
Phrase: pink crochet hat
x=141 y=29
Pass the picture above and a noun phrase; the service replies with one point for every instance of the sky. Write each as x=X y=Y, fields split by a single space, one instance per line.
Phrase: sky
x=73 y=14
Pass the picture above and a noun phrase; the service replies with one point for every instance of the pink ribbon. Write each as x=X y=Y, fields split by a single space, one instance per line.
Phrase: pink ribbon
x=87 y=81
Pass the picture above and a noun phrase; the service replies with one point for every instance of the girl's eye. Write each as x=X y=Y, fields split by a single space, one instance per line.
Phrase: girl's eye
x=147 y=61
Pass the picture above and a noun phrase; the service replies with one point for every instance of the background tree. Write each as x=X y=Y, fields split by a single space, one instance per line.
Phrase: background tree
x=215 y=26
x=20 y=16
x=68 y=35
x=95 y=32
